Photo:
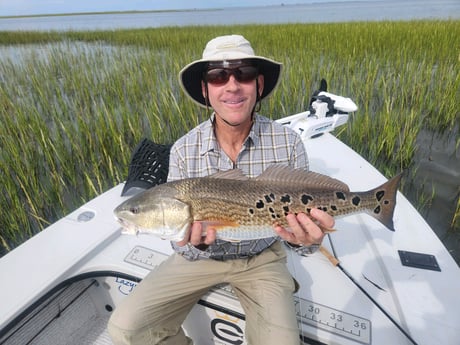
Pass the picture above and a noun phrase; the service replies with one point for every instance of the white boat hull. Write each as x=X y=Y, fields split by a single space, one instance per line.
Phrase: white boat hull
x=87 y=246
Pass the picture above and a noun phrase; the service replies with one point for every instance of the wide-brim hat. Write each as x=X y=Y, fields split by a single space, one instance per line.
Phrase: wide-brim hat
x=227 y=48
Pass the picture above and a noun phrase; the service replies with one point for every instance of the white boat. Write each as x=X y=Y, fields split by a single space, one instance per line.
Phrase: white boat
x=400 y=287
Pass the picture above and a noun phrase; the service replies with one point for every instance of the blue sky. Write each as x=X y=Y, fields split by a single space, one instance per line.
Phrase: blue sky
x=26 y=7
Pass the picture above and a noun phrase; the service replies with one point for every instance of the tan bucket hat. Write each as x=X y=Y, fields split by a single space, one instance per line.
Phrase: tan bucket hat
x=227 y=48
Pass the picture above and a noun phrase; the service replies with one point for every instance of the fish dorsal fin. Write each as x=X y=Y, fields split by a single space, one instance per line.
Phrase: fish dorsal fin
x=232 y=174
x=306 y=179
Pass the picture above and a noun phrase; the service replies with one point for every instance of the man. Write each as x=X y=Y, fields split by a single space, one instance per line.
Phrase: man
x=232 y=81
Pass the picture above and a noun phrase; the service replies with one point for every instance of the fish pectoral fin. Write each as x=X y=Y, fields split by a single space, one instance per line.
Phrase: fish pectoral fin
x=219 y=225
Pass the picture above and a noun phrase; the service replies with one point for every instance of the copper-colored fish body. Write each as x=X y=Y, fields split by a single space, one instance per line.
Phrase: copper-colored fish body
x=244 y=208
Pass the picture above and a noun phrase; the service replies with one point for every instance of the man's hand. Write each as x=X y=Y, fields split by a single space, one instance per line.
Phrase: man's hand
x=195 y=235
x=306 y=230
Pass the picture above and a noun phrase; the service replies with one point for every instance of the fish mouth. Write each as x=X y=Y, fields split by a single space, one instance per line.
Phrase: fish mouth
x=128 y=227
x=164 y=232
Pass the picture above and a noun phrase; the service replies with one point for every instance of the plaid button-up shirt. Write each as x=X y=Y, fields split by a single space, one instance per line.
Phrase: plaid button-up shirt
x=198 y=154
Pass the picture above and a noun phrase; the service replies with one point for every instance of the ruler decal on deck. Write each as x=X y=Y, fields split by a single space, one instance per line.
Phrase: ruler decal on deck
x=334 y=321
x=144 y=257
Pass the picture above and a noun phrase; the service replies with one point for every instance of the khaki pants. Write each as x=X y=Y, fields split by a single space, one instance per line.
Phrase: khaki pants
x=155 y=310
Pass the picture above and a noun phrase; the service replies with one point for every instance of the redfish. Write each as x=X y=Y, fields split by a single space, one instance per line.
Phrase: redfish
x=242 y=208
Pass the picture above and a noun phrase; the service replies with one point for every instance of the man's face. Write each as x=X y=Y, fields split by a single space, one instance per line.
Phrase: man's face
x=232 y=90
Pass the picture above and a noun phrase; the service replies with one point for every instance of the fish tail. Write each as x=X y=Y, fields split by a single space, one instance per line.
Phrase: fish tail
x=385 y=196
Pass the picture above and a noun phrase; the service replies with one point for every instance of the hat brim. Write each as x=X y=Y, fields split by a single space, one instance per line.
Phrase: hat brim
x=190 y=77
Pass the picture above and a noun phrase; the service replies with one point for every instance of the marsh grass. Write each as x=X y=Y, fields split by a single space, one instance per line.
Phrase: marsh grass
x=73 y=105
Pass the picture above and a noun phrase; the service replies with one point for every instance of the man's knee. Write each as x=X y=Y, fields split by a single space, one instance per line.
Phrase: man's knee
x=124 y=331
x=123 y=326
x=119 y=335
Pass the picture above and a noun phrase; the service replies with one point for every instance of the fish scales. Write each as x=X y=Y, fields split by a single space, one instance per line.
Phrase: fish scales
x=242 y=208
x=258 y=207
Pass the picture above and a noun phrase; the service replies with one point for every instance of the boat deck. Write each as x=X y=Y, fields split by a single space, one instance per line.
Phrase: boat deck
x=74 y=314
x=69 y=316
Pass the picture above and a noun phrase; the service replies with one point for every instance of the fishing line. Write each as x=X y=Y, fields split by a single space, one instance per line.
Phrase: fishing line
x=349 y=276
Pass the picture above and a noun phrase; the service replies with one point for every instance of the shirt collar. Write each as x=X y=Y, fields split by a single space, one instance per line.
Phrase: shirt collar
x=255 y=130
x=210 y=143
x=209 y=138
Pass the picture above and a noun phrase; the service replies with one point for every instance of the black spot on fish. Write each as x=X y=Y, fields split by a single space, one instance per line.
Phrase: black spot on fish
x=308 y=209
x=333 y=208
x=271 y=210
x=324 y=208
x=356 y=200
x=386 y=202
x=268 y=198
x=273 y=216
x=380 y=194
x=340 y=195
x=377 y=210
x=286 y=209
x=260 y=204
x=251 y=211
x=306 y=198
x=286 y=198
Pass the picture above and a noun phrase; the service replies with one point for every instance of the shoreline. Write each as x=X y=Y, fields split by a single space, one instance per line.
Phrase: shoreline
x=315 y=12
x=65 y=14
x=106 y=13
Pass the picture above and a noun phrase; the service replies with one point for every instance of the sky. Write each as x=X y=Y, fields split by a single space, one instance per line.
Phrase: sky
x=29 y=7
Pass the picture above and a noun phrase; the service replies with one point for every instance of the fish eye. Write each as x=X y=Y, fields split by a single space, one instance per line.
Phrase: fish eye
x=134 y=210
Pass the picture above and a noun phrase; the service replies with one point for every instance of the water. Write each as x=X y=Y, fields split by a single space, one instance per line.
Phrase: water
x=344 y=11
x=438 y=169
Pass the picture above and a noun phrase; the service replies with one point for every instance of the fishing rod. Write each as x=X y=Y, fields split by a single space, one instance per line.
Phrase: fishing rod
x=333 y=259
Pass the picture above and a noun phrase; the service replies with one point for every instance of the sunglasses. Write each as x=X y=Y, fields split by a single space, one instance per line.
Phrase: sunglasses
x=220 y=76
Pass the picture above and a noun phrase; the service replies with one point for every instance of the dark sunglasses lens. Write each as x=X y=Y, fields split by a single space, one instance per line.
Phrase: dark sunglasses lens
x=245 y=73
x=222 y=75
x=217 y=76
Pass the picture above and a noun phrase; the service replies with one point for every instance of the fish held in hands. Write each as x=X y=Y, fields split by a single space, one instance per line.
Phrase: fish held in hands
x=242 y=208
